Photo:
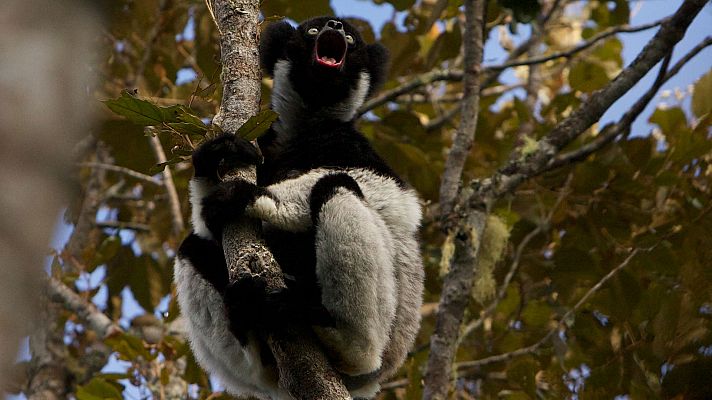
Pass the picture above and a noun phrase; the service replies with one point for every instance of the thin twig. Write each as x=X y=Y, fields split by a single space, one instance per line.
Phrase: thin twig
x=508 y=178
x=491 y=72
x=579 y=48
x=122 y=170
x=502 y=292
x=133 y=226
x=173 y=201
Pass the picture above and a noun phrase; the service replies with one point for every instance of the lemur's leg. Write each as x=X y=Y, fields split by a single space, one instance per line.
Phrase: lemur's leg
x=354 y=253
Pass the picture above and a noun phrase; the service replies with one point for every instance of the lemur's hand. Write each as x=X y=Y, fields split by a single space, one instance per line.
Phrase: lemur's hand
x=222 y=154
x=227 y=202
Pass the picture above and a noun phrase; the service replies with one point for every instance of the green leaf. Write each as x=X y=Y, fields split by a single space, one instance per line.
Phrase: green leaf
x=161 y=166
x=143 y=112
x=521 y=372
x=702 y=95
x=107 y=250
x=99 y=389
x=670 y=120
x=138 y=111
x=587 y=76
x=128 y=347
x=257 y=125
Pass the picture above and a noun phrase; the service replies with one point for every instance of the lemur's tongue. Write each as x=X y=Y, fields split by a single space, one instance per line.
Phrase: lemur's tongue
x=328 y=60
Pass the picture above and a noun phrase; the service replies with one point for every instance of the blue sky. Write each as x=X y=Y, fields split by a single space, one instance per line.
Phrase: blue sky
x=646 y=11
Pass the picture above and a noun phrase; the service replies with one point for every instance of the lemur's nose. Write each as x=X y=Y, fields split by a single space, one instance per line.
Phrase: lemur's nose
x=335 y=25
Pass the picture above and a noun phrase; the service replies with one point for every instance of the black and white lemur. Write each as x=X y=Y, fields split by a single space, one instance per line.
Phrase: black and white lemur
x=342 y=225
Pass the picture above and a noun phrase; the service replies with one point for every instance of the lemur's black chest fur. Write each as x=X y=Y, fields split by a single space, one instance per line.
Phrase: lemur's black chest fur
x=332 y=144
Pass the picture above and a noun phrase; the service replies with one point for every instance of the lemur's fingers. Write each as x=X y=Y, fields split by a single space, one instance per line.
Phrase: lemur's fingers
x=227 y=202
x=224 y=153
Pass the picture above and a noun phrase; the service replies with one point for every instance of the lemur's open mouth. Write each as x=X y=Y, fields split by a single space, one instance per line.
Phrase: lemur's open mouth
x=330 y=50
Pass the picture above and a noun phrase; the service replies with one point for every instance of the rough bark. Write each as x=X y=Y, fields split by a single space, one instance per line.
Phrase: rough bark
x=465 y=135
x=457 y=283
x=304 y=371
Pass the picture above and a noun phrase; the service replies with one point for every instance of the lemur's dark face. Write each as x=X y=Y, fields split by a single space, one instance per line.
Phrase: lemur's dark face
x=324 y=61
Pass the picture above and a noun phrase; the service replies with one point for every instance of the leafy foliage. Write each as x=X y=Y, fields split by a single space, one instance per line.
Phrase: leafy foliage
x=645 y=333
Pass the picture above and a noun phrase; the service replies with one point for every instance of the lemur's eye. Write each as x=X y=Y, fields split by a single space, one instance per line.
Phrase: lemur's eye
x=313 y=31
x=350 y=39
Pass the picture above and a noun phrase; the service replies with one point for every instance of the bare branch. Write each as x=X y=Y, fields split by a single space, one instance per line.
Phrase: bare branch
x=622 y=127
x=133 y=226
x=473 y=39
x=95 y=319
x=533 y=164
x=415 y=83
x=437 y=374
x=173 y=201
x=122 y=170
x=579 y=48
x=491 y=72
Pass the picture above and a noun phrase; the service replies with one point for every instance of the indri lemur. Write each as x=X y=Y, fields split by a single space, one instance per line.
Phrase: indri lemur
x=342 y=225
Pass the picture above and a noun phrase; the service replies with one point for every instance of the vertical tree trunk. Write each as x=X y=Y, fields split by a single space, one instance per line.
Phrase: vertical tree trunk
x=303 y=369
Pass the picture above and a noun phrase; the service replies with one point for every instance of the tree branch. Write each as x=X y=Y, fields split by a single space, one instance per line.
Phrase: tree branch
x=95 y=319
x=304 y=370
x=454 y=298
x=579 y=48
x=517 y=171
x=622 y=127
x=122 y=170
x=469 y=217
x=473 y=41
x=173 y=201
x=491 y=72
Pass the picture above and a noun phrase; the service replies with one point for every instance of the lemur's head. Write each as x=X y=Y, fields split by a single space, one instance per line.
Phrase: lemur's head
x=324 y=65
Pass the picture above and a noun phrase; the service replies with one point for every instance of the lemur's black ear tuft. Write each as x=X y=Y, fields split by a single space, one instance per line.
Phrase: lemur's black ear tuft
x=273 y=44
x=377 y=65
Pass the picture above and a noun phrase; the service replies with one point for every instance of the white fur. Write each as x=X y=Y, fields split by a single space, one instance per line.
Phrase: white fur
x=396 y=212
x=354 y=253
x=199 y=188
x=291 y=109
x=215 y=347
x=285 y=101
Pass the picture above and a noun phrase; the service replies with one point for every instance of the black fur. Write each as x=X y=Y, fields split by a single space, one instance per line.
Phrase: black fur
x=326 y=188
x=227 y=203
x=321 y=86
x=318 y=140
x=207 y=258
x=222 y=154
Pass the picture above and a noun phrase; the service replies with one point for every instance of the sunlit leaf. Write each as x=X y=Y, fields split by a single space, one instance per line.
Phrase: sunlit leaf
x=702 y=95
x=587 y=76
x=257 y=125
x=99 y=389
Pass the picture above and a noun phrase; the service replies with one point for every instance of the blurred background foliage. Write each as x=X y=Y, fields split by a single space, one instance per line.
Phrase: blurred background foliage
x=645 y=333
